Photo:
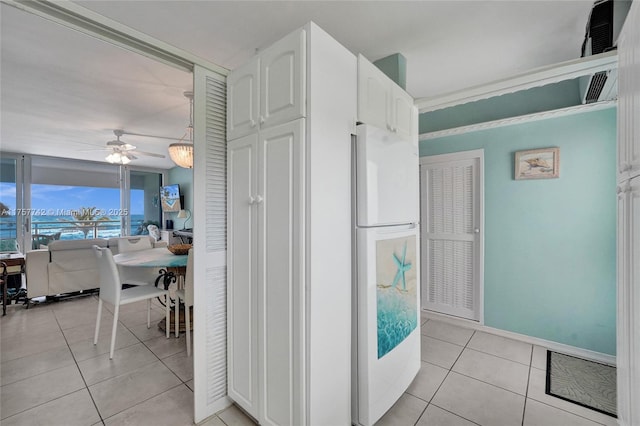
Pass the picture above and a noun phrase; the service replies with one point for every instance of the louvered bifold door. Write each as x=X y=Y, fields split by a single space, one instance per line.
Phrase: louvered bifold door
x=209 y=227
x=450 y=235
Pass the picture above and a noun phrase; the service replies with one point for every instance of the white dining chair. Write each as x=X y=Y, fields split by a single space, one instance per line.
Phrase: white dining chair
x=111 y=291
x=127 y=244
x=154 y=232
x=135 y=275
x=186 y=295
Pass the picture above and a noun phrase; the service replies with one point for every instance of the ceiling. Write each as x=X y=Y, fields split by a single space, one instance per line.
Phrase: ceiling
x=63 y=92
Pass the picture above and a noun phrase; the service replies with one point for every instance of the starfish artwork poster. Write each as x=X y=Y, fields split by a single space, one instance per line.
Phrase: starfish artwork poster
x=396 y=282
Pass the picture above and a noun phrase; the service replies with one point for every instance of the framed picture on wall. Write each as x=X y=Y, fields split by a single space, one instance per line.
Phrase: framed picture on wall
x=538 y=164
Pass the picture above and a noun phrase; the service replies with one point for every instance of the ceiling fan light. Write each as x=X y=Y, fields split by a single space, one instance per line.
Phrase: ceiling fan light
x=182 y=154
x=112 y=158
x=119 y=158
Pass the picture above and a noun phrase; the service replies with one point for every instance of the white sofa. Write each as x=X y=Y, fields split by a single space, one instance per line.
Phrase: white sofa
x=67 y=266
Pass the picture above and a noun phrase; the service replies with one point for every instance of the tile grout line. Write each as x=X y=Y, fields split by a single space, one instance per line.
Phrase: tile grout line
x=161 y=359
x=492 y=384
x=475 y=349
x=75 y=361
x=61 y=396
x=78 y=366
x=526 y=390
x=154 y=354
x=449 y=370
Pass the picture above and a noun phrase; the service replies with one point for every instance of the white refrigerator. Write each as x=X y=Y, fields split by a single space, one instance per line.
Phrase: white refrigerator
x=386 y=314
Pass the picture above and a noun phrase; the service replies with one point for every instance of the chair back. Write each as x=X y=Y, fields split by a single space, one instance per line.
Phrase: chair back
x=154 y=232
x=110 y=285
x=127 y=244
x=188 y=280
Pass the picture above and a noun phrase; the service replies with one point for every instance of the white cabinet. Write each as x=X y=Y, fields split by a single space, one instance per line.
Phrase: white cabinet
x=629 y=99
x=628 y=241
x=242 y=267
x=265 y=300
x=269 y=89
x=628 y=324
x=381 y=102
x=243 y=102
x=289 y=240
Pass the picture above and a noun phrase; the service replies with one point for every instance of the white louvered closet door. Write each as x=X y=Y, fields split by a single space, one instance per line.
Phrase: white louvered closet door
x=209 y=226
x=451 y=240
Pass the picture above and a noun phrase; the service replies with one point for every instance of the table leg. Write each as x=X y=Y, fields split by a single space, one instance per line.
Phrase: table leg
x=167 y=277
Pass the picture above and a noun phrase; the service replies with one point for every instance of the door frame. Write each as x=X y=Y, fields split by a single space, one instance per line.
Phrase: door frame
x=93 y=24
x=477 y=154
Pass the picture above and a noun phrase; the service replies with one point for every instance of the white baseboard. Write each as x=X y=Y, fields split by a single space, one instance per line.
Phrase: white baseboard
x=555 y=346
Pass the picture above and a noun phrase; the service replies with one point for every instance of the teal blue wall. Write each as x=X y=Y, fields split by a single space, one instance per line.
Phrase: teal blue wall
x=545 y=98
x=184 y=178
x=395 y=67
x=550 y=244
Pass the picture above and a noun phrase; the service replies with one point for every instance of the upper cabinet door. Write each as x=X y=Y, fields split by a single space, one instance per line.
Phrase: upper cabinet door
x=629 y=96
x=382 y=103
x=282 y=80
x=373 y=95
x=402 y=110
x=243 y=100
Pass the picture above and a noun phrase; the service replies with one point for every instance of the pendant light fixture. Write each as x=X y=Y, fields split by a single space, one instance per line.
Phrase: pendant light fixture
x=182 y=152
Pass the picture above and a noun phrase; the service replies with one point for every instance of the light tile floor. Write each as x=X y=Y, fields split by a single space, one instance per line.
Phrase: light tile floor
x=474 y=378
x=52 y=374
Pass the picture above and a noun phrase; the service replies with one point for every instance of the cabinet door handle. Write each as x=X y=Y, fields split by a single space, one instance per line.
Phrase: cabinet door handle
x=389 y=127
x=476 y=230
x=262 y=120
x=259 y=199
x=252 y=200
x=253 y=123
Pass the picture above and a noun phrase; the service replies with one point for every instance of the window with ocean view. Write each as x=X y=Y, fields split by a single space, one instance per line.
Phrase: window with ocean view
x=64 y=212
x=71 y=199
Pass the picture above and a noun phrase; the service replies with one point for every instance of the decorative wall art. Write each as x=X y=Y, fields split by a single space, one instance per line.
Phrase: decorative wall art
x=397 y=288
x=538 y=164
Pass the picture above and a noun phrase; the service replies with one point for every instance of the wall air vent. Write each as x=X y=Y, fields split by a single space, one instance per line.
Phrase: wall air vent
x=601 y=86
x=595 y=87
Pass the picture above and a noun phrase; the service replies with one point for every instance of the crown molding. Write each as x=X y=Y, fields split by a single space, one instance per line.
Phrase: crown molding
x=535 y=78
x=562 y=112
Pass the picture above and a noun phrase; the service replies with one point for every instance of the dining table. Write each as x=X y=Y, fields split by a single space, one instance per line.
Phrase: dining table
x=171 y=267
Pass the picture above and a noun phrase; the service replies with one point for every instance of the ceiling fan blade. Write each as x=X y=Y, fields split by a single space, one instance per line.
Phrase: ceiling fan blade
x=121 y=145
x=148 y=154
x=94 y=150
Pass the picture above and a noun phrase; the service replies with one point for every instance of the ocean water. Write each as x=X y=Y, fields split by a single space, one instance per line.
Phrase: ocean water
x=51 y=225
x=397 y=317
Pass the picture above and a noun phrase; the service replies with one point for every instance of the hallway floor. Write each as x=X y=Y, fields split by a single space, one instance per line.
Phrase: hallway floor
x=52 y=374
x=471 y=377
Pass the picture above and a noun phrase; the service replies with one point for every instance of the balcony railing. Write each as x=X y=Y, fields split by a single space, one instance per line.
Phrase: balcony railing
x=43 y=231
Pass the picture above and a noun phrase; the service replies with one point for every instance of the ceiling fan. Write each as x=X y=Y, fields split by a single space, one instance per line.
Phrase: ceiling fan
x=122 y=152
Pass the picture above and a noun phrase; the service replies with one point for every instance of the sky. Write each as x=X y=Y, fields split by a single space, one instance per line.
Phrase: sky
x=48 y=198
